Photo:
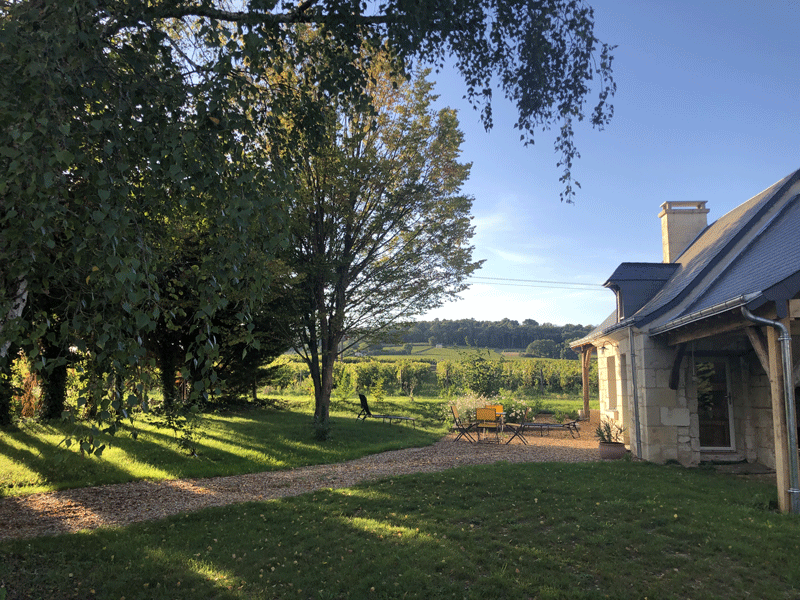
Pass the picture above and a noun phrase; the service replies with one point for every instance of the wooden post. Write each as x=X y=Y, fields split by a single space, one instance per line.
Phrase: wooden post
x=779 y=417
x=586 y=361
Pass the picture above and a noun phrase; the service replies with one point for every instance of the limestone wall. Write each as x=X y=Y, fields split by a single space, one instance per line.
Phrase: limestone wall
x=668 y=419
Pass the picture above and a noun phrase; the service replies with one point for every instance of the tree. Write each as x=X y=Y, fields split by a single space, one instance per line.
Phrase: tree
x=481 y=374
x=117 y=145
x=380 y=230
x=137 y=114
x=542 y=349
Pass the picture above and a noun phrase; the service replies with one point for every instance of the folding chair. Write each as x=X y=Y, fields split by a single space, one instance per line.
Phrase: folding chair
x=462 y=429
x=487 y=420
x=518 y=429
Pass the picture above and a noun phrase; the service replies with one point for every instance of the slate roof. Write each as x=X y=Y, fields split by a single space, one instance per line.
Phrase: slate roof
x=635 y=284
x=750 y=249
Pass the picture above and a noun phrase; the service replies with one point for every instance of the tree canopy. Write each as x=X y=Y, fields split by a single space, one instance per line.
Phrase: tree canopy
x=124 y=122
x=379 y=228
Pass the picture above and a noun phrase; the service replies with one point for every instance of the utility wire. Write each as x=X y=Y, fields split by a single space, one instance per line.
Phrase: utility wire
x=538 y=283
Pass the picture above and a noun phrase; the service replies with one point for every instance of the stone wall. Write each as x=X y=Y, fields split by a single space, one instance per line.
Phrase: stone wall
x=668 y=419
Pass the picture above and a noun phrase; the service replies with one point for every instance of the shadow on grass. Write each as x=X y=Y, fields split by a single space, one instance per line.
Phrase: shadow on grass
x=263 y=442
x=57 y=467
x=546 y=530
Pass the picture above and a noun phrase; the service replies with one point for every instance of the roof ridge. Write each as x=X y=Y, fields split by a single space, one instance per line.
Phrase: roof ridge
x=739 y=255
x=714 y=261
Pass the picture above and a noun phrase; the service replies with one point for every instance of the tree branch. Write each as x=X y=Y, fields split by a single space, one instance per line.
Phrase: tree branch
x=301 y=15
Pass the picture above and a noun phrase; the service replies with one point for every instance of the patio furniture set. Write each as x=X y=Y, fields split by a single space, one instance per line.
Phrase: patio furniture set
x=491 y=420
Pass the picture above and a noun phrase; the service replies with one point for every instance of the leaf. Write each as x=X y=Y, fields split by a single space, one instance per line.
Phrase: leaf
x=65 y=157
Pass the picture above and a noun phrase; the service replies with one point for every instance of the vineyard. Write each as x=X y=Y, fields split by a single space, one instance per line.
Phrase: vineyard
x=483 y=372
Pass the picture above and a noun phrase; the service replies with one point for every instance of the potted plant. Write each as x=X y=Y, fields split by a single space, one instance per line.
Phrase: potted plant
x=610 y=436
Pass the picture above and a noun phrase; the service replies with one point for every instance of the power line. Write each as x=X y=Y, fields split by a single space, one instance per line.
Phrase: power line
x=549 y=287
x=538 y=283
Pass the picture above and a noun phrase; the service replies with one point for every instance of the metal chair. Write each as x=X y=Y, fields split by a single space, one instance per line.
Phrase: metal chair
x=487 y=420
x=462 y=429
x=518 y=429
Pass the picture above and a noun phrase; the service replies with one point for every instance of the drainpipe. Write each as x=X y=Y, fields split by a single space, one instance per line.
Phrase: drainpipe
x=788 y=394
x=635 y=396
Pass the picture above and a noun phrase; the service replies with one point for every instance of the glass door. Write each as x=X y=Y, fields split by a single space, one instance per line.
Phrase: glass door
x=714 y=405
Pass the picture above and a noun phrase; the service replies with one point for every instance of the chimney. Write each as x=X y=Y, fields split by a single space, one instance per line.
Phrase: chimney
x=681 y=222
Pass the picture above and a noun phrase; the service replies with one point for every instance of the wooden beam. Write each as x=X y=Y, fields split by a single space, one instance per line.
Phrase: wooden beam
x=675 y=376
x=585 y=364
x=759 y=344
x=779 y=430
x=794 y=309
x=702 y=330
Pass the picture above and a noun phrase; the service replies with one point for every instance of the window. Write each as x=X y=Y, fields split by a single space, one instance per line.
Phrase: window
x=611 y=378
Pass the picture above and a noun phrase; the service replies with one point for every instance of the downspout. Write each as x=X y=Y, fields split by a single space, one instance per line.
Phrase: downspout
x=635 y=395
x=788 y=394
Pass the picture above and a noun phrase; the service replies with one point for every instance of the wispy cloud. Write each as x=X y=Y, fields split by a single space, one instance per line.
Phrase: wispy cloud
x=518 y=257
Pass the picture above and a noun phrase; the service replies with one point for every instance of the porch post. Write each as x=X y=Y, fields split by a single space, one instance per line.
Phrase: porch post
x=586 y=361
x=779 y=423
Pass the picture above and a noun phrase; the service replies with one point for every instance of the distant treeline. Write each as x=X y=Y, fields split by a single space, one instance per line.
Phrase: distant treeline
x=543 y=340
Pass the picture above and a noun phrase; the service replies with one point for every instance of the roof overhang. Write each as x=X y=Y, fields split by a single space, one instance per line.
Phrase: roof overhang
x=706 y=313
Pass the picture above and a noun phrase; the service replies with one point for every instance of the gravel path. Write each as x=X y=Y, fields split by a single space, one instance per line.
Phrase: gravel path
x=68 y=511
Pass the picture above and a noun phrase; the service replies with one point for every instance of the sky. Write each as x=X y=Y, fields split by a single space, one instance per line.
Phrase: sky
x=707 y=108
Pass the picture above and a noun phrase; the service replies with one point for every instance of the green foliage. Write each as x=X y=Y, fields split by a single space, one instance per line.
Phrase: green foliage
x=481 y=374
x=377 y=390
x=117 y=151
x=541 y=348
x=344 y=381
x=390 y=229
x=524 y=377
x=148 y=127
x=609 y=431
x=507 y=333
x=410 y=375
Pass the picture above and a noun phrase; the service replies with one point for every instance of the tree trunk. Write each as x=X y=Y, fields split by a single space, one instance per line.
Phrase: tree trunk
x=5 y=387
x=167 y=365
x=14 y=312
x=323 y=394
x=55 y=382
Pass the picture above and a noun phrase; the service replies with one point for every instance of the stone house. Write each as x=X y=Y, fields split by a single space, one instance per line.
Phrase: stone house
x=693 y=361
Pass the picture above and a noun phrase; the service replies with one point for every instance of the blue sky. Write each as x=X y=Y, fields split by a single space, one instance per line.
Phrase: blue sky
x=707 y=108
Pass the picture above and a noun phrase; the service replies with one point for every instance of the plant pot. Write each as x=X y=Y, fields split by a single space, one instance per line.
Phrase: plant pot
x=612 y=450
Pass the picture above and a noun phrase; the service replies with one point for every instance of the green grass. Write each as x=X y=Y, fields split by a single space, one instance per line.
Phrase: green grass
x=33 y=458
x=567 y=403
x=550 y=531
x=432 y=352
x=229 y=444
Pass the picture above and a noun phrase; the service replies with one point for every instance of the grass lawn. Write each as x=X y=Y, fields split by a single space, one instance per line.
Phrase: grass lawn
x=567 y=403
x=31 y=459
x=620 y=530
x=229 y=444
